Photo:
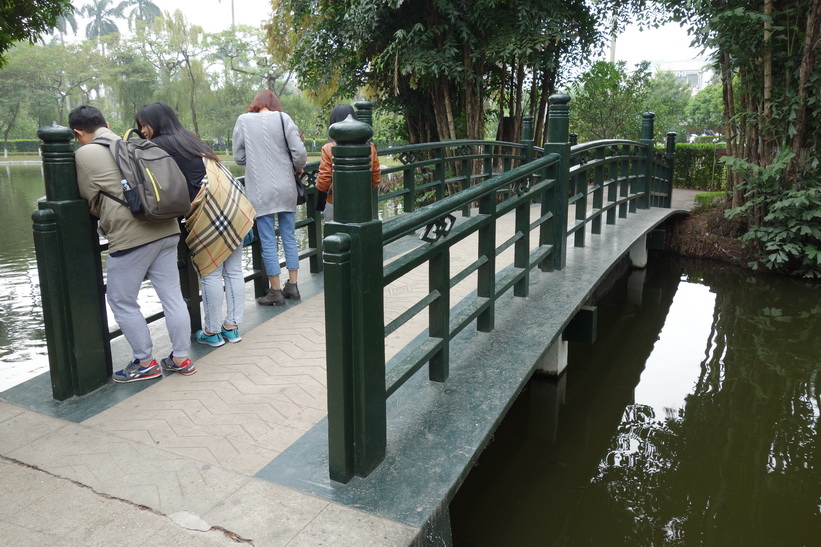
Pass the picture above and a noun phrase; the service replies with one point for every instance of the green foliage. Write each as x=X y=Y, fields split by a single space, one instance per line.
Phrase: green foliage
x=306 y=116
x=23 y=146
x=699 y=166
x=668 y=100
x=439 y=63
x=705 y=111
x=789 y=237
x=769 y=62
x=708 y=200
x=608 y=102
x=27 y=20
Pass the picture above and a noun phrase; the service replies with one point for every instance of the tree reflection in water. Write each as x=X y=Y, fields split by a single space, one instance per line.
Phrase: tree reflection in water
x=738 y=462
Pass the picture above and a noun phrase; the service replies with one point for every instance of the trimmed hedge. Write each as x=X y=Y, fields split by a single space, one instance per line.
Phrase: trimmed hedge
x=22 y=146
x=707 y=200
x=698 y=166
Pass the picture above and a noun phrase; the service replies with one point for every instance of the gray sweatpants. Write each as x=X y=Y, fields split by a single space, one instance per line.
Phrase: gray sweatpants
x=156 y=261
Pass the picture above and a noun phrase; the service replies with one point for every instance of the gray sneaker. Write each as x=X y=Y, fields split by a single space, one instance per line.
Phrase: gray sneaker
x=273 y=298
x=290 y=290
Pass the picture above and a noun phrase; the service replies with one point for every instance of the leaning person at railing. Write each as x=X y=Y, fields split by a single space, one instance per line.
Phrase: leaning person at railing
x=219 y=219
x=137 y=250
x=266 y=141
x=324 y=179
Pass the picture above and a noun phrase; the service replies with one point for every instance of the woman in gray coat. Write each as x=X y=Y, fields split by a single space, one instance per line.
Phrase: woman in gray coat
x=263 y=137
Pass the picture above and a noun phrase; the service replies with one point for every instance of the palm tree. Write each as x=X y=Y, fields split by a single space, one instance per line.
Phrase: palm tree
x=101 y=13
x=142 y=11
x=64 y=22
x=232 y=12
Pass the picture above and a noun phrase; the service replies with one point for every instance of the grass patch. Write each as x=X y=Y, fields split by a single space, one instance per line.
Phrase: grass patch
x=708 y=200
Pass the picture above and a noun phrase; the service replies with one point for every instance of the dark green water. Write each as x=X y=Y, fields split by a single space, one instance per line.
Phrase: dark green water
x=21 y=314
x=693 y=420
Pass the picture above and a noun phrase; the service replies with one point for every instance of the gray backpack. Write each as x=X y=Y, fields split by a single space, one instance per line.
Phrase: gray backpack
x=154 y=188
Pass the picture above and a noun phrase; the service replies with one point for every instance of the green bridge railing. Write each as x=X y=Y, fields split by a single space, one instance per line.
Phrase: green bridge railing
x=597 y=182
x=594 y=184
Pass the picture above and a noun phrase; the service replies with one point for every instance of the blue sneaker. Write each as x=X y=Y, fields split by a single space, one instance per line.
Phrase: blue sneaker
x=187 y=368
x=214 y=340
x=134 y=372
x=231 y=335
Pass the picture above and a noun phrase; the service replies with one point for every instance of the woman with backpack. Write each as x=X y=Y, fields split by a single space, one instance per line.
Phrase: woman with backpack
x=268 y=143
x=217 y=223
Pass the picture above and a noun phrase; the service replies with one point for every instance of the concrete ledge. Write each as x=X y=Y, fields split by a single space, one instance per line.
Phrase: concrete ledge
x=437 y=431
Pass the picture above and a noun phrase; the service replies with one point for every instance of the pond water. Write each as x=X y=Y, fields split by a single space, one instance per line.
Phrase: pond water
x=693 y=420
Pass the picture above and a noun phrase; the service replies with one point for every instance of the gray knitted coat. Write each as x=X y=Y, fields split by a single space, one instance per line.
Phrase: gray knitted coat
x=259 y=145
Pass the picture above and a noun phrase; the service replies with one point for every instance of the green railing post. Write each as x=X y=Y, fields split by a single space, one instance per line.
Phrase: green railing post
x=671 y=168
x=440 y=173
x=364 y=317
x=439 y=315
x=645 y=202
x=555 y=201
x=409 y=185
x=339 y=360
x=258 y=266
x=315 y=233
x=527 y=137
x=69 y=265
x=486 y=274
x=189 y=283
x=364 y=113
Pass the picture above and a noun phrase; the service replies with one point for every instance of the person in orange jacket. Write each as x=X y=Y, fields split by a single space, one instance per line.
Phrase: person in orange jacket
x=324 y=180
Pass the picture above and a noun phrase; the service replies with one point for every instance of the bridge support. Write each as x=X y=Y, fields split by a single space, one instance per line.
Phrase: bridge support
x=554 y=359
x=638 y=253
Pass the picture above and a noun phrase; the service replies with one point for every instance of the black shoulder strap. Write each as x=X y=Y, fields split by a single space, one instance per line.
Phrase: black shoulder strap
x=115 y=198
x=105 y=141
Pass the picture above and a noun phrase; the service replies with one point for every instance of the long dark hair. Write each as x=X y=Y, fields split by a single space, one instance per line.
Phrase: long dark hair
x=169 y=133
x=341 y=112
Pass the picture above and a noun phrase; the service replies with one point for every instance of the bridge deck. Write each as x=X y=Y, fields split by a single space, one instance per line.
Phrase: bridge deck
x=243 y=443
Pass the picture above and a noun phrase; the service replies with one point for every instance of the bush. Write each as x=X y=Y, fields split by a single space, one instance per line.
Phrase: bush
x=789 y=235
x=708 y=200
x=23 y=146
x=698 y=166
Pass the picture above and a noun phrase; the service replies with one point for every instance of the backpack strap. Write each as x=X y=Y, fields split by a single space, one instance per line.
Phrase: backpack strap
x=115 y=198
x=105 y=141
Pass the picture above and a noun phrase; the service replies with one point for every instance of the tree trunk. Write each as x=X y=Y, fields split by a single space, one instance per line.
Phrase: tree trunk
x=730 y=125
x=450 y=126
x=767 y=66
x=548 y=84
x=806 y=69
x=191 y=102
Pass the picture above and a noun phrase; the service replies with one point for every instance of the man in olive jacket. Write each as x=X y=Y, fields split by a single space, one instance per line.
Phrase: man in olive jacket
x=138 y=250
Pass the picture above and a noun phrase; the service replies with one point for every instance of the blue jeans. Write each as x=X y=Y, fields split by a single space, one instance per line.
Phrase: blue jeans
x=268 y=238
x=230 y=272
